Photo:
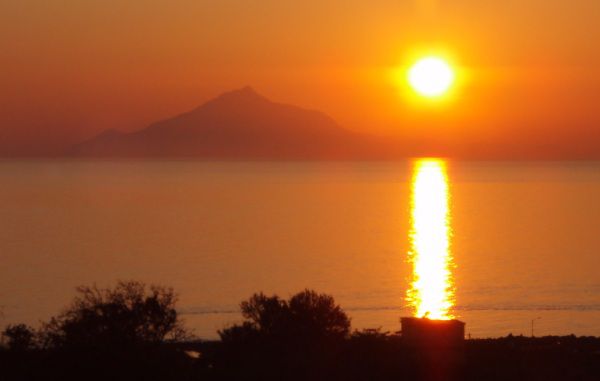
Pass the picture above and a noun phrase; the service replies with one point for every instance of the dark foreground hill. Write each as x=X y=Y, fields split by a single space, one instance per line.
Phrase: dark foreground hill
x=240 y=124
x=361 y=357
x=133 y=332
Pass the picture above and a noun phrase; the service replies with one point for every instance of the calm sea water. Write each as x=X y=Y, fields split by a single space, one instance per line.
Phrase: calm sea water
x=526 y=238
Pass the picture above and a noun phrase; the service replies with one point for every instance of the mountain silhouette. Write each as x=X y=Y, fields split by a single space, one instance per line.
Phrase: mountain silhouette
x=240 y=124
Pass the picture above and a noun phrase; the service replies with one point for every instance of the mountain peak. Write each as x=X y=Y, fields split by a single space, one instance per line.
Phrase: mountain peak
x=239 y=124
x=247 y=90
x=244 y=94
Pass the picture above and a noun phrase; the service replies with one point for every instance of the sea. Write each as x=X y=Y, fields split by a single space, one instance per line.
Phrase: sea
x=524 y=238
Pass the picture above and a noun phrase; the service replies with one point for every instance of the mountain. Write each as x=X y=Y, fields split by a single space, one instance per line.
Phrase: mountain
x=240 y=124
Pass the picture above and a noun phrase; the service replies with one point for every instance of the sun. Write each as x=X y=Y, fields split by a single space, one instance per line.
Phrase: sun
x=431 y=77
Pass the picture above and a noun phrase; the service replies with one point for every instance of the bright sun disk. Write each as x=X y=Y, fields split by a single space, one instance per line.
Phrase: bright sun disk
x=431 y=76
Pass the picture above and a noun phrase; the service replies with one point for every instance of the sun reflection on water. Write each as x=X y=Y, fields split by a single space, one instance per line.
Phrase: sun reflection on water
x=431 y=293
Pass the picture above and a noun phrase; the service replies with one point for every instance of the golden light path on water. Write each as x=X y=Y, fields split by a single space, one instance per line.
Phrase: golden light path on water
x=431 y=293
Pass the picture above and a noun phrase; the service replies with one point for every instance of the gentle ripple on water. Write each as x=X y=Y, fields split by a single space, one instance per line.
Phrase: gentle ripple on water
x=525 y=238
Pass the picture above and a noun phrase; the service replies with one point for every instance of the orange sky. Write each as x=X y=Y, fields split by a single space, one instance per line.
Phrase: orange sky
x=72 y=68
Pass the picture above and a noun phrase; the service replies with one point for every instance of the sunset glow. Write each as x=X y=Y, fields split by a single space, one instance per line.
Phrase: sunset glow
x=213 y=190
x=432 y=291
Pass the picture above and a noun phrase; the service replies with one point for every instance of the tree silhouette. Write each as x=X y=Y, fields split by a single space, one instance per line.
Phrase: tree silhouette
x=19 y=337
x=129 y=314
x=317 y=315
x=307 y=315
x=295 y=339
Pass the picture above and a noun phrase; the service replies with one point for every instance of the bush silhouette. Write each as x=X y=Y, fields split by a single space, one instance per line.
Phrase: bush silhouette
x=305 y=316
x=295 y=339
x=129 y=314
x=19 y=337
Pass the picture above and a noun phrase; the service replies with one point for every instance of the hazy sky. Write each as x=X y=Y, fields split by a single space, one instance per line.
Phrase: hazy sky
x=529 y=70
